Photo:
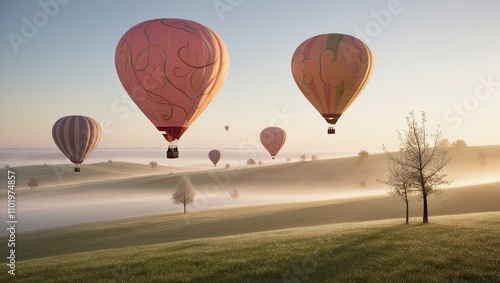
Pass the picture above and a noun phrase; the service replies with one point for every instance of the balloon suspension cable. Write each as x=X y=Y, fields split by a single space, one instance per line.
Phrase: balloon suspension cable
x=331 y=119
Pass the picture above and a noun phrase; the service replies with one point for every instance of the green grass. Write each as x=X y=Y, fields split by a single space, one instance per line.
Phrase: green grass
x=460 y=248
x=164 y=228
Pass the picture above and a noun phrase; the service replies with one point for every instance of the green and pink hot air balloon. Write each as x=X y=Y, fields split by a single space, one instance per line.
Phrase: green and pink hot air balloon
x=331 y=70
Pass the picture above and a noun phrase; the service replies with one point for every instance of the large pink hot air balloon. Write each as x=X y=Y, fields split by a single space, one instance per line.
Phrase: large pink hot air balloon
x=214 y=156
x=172 y=69
x=331 y=70
x=76 y=137
x=273 y=139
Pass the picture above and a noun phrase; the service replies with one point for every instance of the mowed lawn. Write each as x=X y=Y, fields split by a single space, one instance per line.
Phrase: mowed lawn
x=458 y=248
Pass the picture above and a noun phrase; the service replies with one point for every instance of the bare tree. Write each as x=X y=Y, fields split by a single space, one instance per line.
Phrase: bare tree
x=421 y=160
x=481 y=158
x=183 y=192
x=314 y=157
x=234 y=193
x=362 y=185
x=32 y=182
x=398 y=179
x=227 y=166
x=110 y=161
x=251 y=161
x=260 y=162
x=288 y=160
x=362 y=155
x=303 y=157
x=153 y=164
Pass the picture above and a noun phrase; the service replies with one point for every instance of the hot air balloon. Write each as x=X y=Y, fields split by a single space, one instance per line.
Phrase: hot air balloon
x=273 y=138
x=214 y=156
x=331 y=70
x=172 y=69
x=227 y=128
x=76 y=136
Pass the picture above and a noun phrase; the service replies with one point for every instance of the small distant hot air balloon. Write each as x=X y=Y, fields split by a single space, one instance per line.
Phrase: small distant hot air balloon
x=76 y=137
x=227 y=128
x=273 y=138
x=331 y=70
x=214 y=156
x=172 y=69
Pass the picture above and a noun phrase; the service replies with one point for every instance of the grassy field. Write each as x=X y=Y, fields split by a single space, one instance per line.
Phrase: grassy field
x=170 y=227
x=335 y=240
x=460 y=248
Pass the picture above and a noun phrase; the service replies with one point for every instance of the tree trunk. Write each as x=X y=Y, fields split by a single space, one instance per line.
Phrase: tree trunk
x=407 y=212
x=424 y=200
x=184 y=208
x=425 y=217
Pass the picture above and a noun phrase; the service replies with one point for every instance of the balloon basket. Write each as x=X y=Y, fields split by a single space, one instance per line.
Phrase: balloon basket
x=172 y=154
x=77 y=169
x=331 y=131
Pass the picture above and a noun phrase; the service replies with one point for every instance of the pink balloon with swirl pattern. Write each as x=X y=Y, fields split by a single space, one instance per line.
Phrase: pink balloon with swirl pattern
x=172 y=69
x=331 y=70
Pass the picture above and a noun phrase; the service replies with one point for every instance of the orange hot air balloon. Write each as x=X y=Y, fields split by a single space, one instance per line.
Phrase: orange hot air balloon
x=172 y=69
x=273 y=139
x=331 y=70
x=76 y=136
x=214 y=156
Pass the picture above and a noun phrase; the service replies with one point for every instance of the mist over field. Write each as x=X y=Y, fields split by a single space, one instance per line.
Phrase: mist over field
x=104 y=191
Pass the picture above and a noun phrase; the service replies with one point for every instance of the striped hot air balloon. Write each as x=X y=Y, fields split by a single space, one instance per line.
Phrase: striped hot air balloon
x=214 y=156
x=76 y=136
x=273 y=139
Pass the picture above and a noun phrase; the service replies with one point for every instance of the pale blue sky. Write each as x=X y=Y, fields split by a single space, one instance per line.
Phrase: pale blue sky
x=433 y=56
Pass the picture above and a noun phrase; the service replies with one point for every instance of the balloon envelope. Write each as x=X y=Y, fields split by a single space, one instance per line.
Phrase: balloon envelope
x=227 y=128
x=273 y=139
x=214 y=156
x=76 y=137
x=331 y=70
x=172 y=69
